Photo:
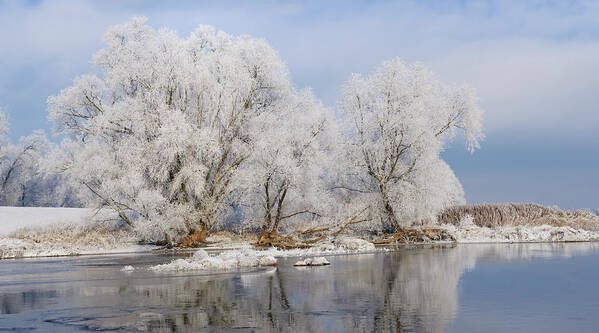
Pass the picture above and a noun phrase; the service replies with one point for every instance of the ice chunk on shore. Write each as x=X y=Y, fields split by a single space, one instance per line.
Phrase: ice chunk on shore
x=249 y=257
x=127 y=268
x=318 y=261
x=201 y=260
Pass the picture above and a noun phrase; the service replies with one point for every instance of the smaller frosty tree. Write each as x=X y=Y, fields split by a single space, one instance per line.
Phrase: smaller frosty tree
x=19 y=166
x=400 y=117
x=287 y=169
x=25 y=179
x=20 y=170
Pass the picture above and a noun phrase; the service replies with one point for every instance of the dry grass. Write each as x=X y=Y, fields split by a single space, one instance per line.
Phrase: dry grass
x=91 y=234
x=514 y=214
x=232 y=237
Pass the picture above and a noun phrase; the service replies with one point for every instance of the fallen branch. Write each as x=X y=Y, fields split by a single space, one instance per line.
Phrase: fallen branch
x=295 y=241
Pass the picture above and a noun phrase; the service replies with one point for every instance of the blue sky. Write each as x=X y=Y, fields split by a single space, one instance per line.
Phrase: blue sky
x=535 y=65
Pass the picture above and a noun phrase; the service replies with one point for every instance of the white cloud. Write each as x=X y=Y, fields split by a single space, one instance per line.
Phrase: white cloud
x=532 y=63
x=529 y=84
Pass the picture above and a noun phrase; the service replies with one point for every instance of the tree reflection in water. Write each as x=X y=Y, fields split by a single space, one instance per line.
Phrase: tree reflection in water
x=409 y=290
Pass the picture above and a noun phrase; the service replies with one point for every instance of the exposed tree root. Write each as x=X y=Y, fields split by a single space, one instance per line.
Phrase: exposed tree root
x=417 y=235
x=196 y=238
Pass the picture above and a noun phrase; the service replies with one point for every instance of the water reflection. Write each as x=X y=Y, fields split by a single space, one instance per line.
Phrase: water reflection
x=412 y=290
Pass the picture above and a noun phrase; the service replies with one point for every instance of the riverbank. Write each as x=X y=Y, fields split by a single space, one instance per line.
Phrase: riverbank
x=46 y=232
x=83 y=241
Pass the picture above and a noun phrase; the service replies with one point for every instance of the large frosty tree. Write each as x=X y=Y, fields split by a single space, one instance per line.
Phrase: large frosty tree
x=163 y=136
x=399 y=119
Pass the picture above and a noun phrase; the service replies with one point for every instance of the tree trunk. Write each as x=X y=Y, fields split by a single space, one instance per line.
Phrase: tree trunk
x=269 y=229
x=390 y=212
x=168 y=241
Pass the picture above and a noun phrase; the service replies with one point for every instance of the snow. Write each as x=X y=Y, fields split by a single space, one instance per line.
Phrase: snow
x=47 y=232
x=342 y=245
x=543 y=233
x=468 y=232
x=226 y=260
x=19 y=248
x=13 y=218
x=128 y=268
x=354 y=244
x=246 y=256
x=318 y=261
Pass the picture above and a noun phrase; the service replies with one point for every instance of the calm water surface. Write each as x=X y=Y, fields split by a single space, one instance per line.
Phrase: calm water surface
x=464 y=288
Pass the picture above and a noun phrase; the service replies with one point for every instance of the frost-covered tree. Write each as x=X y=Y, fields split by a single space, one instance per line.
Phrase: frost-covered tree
x=19 y=164
x=19 y=170
x=399 y=119
x=288 y=168
x=25 y=179
x=163 y=135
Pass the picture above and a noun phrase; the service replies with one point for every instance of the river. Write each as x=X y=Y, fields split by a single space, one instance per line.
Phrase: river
x=452 y=288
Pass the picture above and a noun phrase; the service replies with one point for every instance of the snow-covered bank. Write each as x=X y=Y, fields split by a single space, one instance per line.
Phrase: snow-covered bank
x=515 y=234
x=13 y=218
x=11 y=248
x=36 y=232
x=468 y=232
x=63 y=239
x=42 y=232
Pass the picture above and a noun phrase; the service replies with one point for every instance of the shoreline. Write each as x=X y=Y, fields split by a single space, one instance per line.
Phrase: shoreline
x=289 y=253
x=34 y=232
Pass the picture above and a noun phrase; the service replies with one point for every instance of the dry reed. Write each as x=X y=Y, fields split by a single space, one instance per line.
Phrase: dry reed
x=514 y=214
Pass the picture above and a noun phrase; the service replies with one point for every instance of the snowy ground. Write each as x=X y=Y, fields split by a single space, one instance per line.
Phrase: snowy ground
x=13 y=218
x=18 y=248
x=519 y=234
x=43 y=231
x=468 y=232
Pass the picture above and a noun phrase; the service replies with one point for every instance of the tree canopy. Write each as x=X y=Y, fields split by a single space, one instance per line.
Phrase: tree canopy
x=178 y=134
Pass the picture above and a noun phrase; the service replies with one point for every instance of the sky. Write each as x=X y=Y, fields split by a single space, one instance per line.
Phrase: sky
x=534 y=65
